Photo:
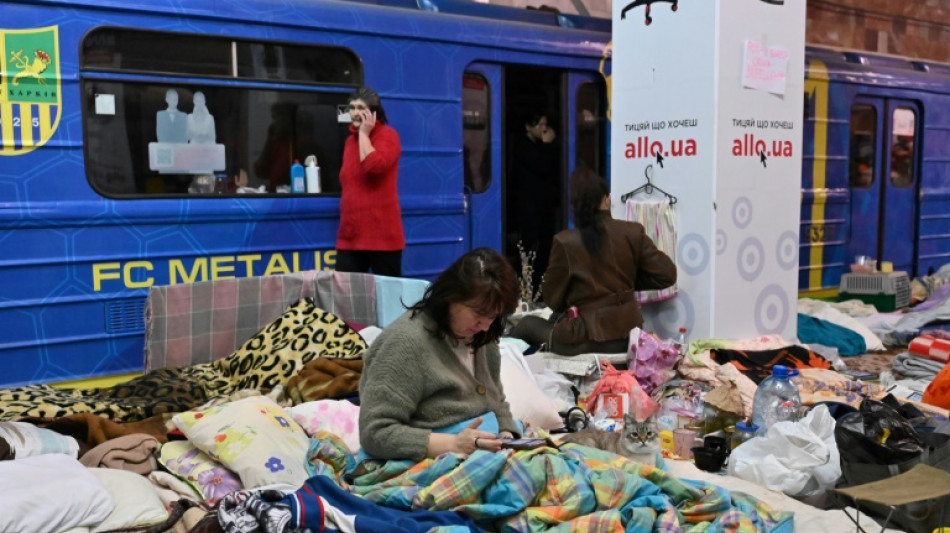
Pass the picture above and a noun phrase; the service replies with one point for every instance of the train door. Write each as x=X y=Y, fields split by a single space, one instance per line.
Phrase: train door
x=535 y=170
x=883 y=173
x=497 y=100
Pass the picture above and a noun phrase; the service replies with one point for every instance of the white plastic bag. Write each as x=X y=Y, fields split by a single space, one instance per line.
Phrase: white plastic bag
x=557 y=387
x=798 y=458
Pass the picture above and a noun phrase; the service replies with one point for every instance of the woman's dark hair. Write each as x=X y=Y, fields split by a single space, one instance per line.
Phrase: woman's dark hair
x=371 y=99
x=532 y=118
x=588 y=190
x=481 y=277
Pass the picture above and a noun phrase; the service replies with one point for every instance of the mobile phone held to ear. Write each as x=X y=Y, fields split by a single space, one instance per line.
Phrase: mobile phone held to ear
x=524 y=444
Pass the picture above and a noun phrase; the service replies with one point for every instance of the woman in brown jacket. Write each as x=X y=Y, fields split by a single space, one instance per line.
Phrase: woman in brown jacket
x=592 y=275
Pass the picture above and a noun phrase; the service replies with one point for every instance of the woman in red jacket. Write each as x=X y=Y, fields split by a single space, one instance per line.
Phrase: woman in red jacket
x=370 y=237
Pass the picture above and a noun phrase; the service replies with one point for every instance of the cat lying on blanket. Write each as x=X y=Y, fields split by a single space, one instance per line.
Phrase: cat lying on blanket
x=638 y=441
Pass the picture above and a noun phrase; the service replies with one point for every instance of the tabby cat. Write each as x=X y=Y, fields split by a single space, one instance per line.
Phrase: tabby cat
x=639 y=441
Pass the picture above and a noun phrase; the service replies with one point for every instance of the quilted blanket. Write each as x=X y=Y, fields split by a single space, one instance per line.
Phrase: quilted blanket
x=574 y=488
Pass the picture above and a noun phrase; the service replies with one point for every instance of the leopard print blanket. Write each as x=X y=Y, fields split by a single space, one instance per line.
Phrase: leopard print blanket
x=268 y=359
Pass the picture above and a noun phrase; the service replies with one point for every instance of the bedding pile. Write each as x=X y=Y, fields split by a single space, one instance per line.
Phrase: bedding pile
x=225 y=435
x=266 y=439
x=573 y=488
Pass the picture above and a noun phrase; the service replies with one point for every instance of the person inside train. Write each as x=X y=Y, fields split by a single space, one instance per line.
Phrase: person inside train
x=537 y=191
x=430 y=382
x=902 y=168
x=370 y=237
x=592 y=277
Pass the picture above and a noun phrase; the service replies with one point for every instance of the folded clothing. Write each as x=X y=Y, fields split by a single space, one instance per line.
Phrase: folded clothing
x=812 y=330
x=915 y=366
x=135 y=453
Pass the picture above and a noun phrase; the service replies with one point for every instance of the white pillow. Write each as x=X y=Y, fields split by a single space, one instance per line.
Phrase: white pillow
x=136 y=500
x=254 y=437
x=527 y=401
x=51 y=492
x=339 y=417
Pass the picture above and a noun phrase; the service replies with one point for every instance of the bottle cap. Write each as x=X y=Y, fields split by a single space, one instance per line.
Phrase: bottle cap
x=780 y=371
x=742 y=425
x=682 y=330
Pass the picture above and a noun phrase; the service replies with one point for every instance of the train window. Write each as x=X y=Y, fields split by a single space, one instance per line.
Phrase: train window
x=283 y=62
x=133 y=50
x=476 y=132
x=590 y=127
x=902 y=147
x=863 y=145
x=147 y=138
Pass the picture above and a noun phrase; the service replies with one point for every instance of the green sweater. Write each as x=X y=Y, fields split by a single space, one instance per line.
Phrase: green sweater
x=413 y=383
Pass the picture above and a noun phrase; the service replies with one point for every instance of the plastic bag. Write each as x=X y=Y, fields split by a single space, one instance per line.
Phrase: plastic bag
x=681 y=403
x=877 y=434
x=618 y=392
x=651 y=359
x=557 y=387
x=798 y=458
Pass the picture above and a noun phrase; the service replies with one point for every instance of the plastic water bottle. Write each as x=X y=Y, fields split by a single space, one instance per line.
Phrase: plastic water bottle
x=298 y=184
x=775 y=400
x=681 y=343
x=221 y=183
x=313 y=174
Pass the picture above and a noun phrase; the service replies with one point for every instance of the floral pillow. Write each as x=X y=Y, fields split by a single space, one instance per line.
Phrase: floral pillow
x=206 y=476
x=254 y=437
x=339 y=417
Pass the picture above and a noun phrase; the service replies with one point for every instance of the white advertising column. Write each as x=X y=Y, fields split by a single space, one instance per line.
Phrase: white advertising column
x=706 y=100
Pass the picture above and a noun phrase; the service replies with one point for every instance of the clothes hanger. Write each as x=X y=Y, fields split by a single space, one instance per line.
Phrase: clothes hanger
x=648 y=188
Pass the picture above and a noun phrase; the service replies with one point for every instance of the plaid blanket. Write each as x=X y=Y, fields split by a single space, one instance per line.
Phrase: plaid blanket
x=574 y=488
x=202 y=322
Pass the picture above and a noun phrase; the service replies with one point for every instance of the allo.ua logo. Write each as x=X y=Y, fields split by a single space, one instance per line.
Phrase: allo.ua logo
x=30 y=92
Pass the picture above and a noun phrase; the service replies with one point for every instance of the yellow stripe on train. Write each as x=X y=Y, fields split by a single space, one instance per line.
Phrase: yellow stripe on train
x=816 y=85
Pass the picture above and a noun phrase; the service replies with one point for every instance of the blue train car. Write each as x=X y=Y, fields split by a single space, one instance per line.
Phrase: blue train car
x=101 y=199
x=876 y=169
x=148 y=142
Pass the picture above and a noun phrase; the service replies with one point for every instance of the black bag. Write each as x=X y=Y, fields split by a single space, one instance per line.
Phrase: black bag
x=877 y=434
x=877 y=443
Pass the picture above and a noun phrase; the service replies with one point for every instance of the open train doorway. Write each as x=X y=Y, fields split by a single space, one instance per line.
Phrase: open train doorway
x=535 y=185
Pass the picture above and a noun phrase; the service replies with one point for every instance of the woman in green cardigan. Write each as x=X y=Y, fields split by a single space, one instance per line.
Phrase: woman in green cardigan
x=430 y=382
